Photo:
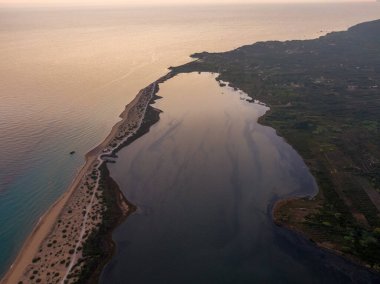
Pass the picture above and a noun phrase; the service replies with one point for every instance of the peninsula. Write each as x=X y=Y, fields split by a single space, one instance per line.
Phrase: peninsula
x=325 y=101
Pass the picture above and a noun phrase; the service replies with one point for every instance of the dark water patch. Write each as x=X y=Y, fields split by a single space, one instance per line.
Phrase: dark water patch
x=204 y=179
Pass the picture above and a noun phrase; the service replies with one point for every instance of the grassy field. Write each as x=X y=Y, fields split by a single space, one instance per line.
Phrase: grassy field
x=324 y=96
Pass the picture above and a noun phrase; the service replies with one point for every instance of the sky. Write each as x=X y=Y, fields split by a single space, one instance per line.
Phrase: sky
x=150 y=2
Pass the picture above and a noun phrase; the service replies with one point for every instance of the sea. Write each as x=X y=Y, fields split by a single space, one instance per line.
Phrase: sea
x=66 y=73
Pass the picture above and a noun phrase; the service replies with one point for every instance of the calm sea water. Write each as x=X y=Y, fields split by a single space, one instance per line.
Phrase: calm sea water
x=204 y=179
x=66 y=74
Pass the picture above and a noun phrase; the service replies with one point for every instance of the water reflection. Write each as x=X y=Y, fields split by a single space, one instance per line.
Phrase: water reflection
x=66 y=74
x=203 y=179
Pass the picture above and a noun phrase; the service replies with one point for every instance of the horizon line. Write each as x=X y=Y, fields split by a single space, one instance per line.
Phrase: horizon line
x=172 y=4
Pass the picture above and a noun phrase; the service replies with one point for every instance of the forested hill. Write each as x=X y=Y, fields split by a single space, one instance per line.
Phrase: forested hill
x=324 y=96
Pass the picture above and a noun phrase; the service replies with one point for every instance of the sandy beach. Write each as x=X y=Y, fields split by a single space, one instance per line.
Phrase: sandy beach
x=53 y=251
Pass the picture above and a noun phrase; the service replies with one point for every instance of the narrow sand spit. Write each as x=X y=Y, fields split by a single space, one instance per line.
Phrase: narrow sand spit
x=53 y=251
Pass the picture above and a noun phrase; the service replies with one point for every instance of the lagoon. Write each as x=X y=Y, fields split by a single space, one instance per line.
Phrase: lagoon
x=204 y=180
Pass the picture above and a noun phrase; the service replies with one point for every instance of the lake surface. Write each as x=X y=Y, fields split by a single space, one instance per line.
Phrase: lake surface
x=204 y=179
x=66 y=74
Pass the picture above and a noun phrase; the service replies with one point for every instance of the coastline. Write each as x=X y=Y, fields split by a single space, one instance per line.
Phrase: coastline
x=326 y=246
x=123 y=137
x=42 y=229
x=92 y=180
x=327 y=121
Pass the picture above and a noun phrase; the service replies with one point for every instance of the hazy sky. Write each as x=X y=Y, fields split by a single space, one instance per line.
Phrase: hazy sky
x=149 y=2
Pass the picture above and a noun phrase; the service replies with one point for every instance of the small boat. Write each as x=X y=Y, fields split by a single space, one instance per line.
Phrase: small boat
x=72 y=152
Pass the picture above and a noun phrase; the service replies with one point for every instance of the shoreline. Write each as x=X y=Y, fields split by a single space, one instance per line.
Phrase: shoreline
x=97 y=158
x=42 y=228
x=29 y=265
x=322 y=119
x=279 y=205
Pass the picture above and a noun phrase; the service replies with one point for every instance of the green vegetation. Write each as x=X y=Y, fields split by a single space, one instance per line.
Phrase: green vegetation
x=324 y=96
x=99 y=246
